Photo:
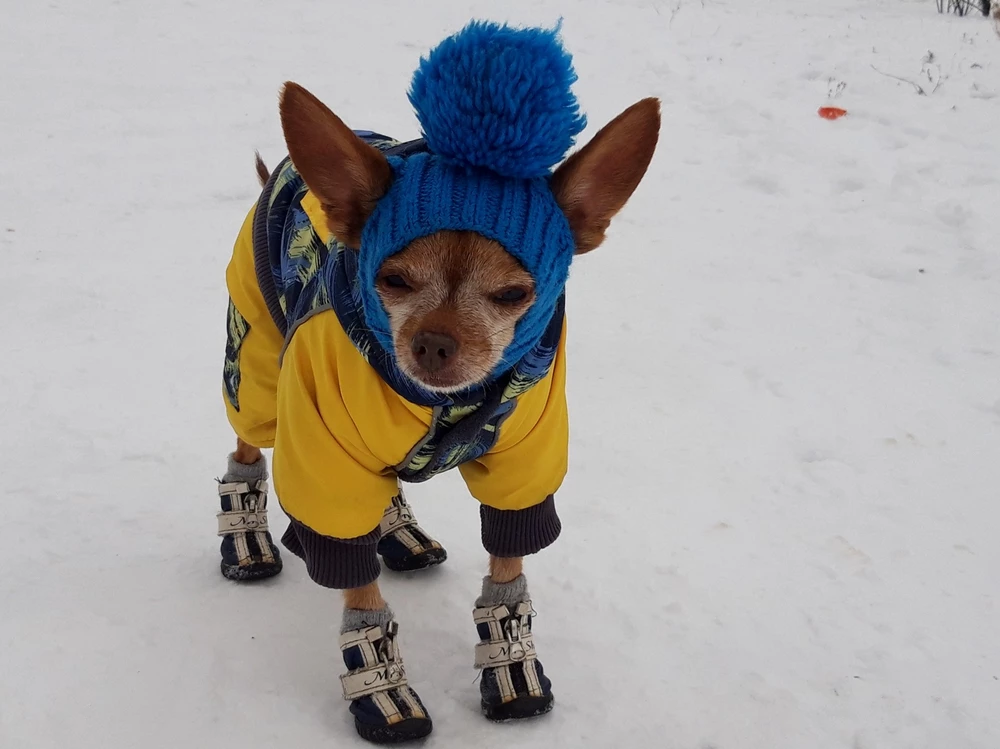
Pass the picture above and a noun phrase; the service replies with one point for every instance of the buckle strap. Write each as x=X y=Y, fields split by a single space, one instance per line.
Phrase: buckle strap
x=368 y=681
x=494 y=654
x=499 y=613
x=510 y=640
x=383 y=666
x=244 y=487
x=357 y=636
x=397 y=516
x=241 y=521
x=248 y=507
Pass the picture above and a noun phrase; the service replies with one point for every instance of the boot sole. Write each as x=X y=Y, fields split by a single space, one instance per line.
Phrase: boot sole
x=411 y=729
x=422 y=561
x=251 y=572
x=519 y=709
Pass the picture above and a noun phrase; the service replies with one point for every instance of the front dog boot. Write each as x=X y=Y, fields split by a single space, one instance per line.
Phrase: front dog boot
x=385 y=709
x=514 y=684
x=248 y=551
x=404 y=545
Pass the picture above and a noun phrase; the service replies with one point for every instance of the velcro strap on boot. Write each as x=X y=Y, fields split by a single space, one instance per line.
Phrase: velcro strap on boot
x=368 y=681
x=358 y=636
x=494 y=654
x=240 y=521
x=500 y=612
x=490 y=614
x=242 y=487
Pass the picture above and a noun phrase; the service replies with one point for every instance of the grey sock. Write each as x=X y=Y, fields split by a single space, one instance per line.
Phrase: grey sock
x=242 y=472
x=359 y=619
x=508 y=594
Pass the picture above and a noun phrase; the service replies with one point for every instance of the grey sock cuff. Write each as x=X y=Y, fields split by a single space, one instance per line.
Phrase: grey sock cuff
x=508 y=594
x=242 y=472
x=358 y=619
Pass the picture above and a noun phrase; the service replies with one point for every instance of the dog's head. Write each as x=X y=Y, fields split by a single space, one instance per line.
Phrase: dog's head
x=454 y=298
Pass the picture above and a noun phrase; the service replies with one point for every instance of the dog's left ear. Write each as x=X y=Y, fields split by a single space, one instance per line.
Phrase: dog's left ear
x=345 y=173
x=593 y=184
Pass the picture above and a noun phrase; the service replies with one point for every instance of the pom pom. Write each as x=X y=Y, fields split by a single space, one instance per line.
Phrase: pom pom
x=499 y=98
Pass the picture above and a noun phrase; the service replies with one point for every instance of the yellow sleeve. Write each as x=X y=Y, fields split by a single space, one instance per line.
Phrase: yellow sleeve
x=325 y=474
x=529 y=460
x=256 y=344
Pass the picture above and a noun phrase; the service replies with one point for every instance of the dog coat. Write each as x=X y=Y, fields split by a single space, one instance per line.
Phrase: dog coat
x=304 y=374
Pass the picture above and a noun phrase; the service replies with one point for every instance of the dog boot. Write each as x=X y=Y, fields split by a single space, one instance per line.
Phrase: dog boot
x=405 y=546
x=248 y=551
x=385 y=709
x=514 y=685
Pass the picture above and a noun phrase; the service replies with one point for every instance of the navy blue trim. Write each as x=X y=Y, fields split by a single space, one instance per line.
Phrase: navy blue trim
x=261 y=255
x=370 y=135
x=408 y=149
x=334 y=562
x=518 y=533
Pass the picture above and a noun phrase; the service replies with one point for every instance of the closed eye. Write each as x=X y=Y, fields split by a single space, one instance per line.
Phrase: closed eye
x=394 y=281
x=513 y=295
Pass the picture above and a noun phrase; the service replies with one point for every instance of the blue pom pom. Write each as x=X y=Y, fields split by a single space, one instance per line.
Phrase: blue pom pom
x=499 y=98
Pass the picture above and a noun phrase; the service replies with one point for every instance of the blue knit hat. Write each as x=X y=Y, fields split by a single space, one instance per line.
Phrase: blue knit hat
x=495 y=107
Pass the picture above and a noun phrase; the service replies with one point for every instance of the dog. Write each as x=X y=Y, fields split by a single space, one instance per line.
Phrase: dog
x=396 y=310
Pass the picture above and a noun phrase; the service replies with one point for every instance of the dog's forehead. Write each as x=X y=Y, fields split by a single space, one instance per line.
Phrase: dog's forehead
x=465 y=257
x=479 y=255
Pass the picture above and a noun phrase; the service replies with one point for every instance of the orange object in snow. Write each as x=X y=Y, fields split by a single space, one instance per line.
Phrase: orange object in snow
x=831 y=113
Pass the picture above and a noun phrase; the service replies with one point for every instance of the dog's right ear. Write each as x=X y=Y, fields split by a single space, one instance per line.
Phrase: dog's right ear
x=345 y=173
x=593 y=184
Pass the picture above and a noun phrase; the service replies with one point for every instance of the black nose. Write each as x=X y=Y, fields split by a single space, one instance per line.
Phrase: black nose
x=433 y=350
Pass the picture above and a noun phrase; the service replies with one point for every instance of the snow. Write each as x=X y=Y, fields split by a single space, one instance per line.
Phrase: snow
x=781 y=518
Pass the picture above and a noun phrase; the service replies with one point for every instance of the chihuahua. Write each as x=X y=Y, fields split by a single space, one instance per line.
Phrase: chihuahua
x=397 y=310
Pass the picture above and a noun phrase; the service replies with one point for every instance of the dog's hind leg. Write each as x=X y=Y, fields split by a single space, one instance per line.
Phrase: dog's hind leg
x=505 y=569
x=386 y=709
x=514 y=684
x=250 y=393
x=405 y=546
x=246 y=454
x=248 y=551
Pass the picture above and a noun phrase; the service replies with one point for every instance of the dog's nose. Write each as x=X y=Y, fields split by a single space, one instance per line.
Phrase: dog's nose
x=433 y=350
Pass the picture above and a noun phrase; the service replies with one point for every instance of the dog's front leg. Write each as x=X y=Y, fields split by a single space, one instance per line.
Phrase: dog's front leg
x=368 y=598
x=514 y=684
x=505 y=569
x=386 y=710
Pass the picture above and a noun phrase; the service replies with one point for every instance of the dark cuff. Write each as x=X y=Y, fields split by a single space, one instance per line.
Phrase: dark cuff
x=517 y=533
x=333 y=562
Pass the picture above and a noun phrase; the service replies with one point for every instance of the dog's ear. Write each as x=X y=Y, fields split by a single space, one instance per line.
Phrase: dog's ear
x=345 y=173
x=593 y=184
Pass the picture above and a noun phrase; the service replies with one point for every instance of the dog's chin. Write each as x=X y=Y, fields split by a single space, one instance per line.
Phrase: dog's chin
x=445 y=382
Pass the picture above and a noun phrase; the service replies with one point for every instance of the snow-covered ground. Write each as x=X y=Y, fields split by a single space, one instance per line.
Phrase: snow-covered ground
x=781 y=521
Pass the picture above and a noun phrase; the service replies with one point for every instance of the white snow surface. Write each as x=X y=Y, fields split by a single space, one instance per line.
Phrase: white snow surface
x=781 y=517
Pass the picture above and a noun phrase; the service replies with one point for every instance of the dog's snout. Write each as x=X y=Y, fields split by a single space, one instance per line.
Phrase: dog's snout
x=433 y=350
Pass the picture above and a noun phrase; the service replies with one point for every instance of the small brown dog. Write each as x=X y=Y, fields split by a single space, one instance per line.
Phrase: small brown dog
x=397 y=311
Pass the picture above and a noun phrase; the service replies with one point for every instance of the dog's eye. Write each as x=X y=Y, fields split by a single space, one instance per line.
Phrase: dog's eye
x=395 y=281
x=511 y=296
